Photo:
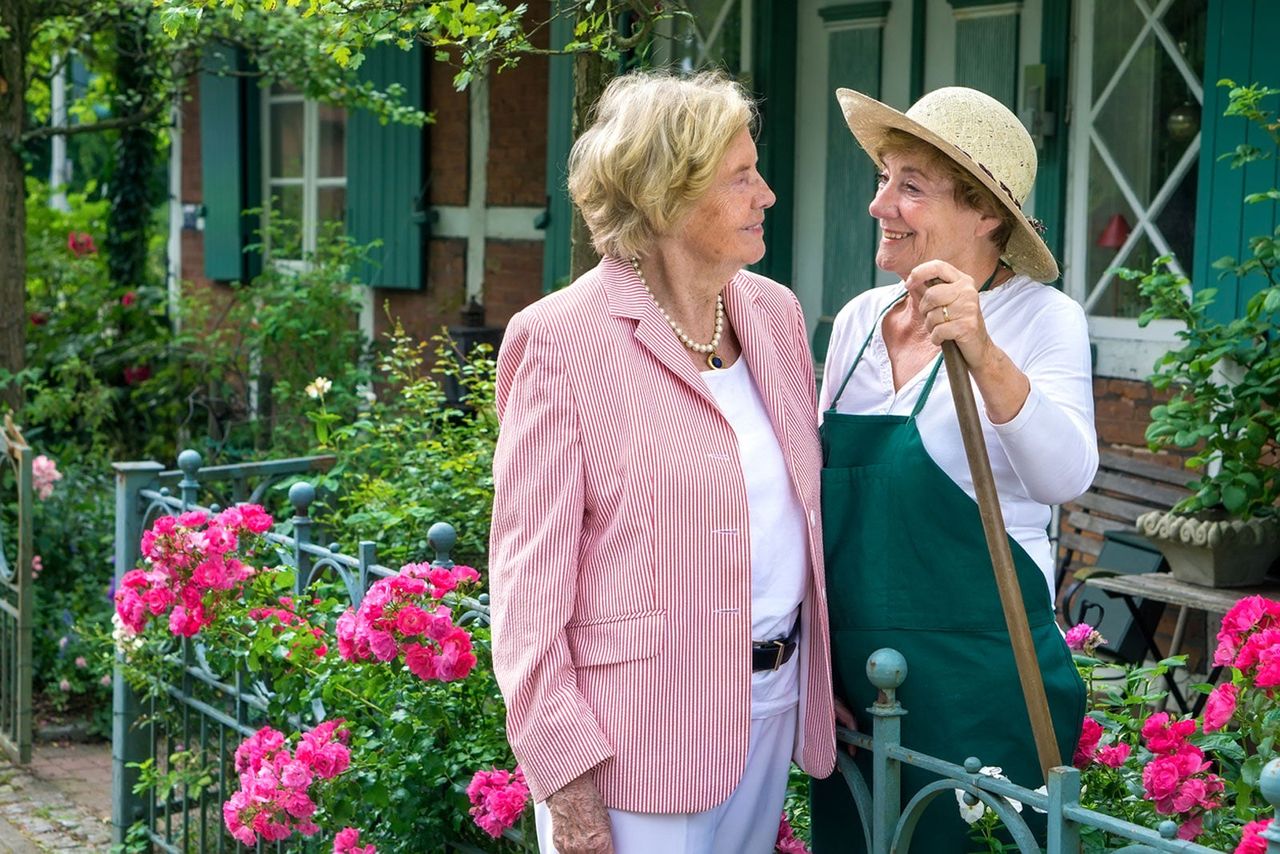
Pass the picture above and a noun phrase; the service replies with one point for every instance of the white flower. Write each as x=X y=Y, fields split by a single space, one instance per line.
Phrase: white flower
x=126 y=639
x=319 y=387
x=369 y=396
x=971 y=813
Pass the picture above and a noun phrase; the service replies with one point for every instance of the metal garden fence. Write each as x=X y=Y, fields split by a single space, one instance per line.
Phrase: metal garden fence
x=17 y=603
x=204 y=713
x=888 y=827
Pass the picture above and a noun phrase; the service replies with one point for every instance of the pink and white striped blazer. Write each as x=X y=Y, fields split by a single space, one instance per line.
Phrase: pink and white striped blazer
x=620 y=565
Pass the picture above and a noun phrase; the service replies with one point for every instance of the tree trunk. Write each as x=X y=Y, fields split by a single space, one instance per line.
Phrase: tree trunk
x=13 y=213
x=133 y=176
x=591 y=73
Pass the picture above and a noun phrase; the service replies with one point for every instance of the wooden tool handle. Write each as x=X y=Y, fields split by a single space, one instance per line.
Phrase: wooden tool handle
x=1015 y=614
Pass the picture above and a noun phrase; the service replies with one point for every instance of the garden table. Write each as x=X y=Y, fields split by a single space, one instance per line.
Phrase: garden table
x=1163 y=587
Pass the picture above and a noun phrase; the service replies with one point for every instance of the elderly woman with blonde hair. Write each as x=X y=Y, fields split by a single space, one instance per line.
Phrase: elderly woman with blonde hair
x=659 y=622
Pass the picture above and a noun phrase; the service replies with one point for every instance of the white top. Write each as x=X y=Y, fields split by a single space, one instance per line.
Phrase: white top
x=776 y=524
x=1047 y=454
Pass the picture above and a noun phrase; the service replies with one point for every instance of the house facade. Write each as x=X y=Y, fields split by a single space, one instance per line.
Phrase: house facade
x=1120 y=96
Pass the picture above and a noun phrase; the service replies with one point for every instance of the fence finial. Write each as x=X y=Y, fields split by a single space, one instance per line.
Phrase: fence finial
x=442 y=538
x=301 y=494
x=189 y=461
x=887 y=670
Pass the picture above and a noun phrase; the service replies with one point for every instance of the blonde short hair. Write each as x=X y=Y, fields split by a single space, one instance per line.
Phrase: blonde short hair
x=653 y=150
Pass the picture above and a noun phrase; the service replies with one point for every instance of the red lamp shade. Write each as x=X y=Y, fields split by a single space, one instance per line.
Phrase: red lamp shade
x=1116 y=232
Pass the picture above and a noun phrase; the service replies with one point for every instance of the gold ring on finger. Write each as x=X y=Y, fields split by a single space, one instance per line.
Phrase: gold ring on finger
x=946 y=315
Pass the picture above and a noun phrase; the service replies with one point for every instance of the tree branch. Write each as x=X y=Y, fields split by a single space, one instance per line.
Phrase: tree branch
x=137 y=118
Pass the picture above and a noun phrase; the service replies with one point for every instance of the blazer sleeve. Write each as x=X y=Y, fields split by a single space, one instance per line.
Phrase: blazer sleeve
x=537 y=521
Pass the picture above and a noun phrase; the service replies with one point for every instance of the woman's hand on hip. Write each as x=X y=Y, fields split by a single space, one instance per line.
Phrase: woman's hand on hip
x=579 y=819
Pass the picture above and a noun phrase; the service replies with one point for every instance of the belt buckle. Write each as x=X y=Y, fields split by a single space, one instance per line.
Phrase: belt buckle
x=782 y=650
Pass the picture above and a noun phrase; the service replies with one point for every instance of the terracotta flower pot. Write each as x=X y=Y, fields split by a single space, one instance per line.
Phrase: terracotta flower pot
x=1214 y=552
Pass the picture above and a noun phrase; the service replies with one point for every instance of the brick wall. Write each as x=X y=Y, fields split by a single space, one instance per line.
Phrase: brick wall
x=1122 y=411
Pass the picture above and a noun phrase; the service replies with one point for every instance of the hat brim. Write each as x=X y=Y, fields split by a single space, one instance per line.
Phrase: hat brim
x=870 y=121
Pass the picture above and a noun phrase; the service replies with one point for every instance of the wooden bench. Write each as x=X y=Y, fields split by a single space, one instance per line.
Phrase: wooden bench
x=1098 y=529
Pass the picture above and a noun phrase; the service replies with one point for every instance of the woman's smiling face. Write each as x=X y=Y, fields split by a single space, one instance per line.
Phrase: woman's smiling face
x=920 y=219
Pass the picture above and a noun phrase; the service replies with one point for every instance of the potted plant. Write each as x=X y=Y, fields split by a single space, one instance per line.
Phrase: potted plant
x=1225 y=403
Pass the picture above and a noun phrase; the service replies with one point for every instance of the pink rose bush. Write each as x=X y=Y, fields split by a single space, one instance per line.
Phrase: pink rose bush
x=405 y=702
x=1202 y=771
x=401 y=618
x=498 y=799
x=191 y=568
x=275 y=795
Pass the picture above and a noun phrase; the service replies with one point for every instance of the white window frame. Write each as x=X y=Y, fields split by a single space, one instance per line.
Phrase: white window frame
x=310 y=181
x=1124 y=349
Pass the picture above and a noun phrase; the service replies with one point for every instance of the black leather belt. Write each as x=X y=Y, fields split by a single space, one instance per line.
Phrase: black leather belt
x=772 y=654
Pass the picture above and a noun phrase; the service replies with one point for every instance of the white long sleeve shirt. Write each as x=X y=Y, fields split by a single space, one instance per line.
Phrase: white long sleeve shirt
x=1047 y=454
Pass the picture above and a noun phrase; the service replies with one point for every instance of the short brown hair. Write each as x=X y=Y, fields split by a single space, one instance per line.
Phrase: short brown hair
x=966 y=189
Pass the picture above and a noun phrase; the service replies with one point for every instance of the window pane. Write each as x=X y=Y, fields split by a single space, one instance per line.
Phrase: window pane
x=332 y=159
x=331 y=207
x=286 y=222
x=1122 y=298
x=286 y=140
x=1116 y=24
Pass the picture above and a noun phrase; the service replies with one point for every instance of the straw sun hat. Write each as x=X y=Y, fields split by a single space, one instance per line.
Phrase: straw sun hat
x=983 y=137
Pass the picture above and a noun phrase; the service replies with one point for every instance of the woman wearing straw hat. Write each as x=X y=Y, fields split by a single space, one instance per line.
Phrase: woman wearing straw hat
x=907 y=562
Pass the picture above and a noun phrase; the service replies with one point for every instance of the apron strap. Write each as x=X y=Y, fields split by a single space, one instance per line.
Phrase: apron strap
x=866 y=341
x=933 y=374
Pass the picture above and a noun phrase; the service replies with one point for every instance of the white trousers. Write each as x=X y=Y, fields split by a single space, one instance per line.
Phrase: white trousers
x=745 y=823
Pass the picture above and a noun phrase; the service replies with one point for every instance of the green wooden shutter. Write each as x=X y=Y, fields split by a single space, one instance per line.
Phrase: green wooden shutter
x=226 y=155
x=987 y=50
x=386 y=197
x=775 y=32
x=1240 y=46
x=558 y=220
x=1051 y=179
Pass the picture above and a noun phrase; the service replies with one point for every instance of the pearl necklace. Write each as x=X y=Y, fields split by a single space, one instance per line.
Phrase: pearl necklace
x=713 y=361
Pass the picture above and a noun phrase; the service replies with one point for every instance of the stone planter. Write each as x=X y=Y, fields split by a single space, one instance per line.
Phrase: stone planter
x=1214 y=552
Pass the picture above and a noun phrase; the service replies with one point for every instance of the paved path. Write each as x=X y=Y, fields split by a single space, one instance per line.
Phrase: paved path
x=60 y=802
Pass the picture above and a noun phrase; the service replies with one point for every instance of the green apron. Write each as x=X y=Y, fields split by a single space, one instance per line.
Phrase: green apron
x=907 y=567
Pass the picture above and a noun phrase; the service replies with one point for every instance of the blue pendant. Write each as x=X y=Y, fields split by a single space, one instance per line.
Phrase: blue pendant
x=714 y=361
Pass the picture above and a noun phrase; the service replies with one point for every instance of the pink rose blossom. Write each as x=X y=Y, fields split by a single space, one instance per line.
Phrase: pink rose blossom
x=1219 y=707
x=1113 y=756
x=64 y=686
x=348 y=842
x=1090 y=735
x=787 y=842
x=44 y=474
x=81 y=662
x=498 y=798
x=1165 y=737
x=1251 y=841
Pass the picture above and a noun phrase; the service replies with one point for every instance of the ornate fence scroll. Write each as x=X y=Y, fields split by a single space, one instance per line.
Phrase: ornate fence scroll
x=202 y=715
x=888 y=827
x=17 y=600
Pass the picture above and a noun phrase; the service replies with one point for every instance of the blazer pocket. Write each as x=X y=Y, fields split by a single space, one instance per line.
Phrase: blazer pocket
x=612 y=640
